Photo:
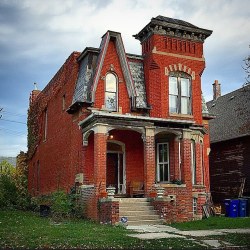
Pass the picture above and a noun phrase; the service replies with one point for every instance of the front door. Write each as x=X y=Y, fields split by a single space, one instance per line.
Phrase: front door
x=115 y=172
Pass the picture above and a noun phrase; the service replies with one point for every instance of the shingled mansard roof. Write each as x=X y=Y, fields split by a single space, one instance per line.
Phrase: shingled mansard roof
x=232 y=113
x=91 y=62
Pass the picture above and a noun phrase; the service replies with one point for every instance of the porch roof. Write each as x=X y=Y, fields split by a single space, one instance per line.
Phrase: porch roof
x=132 y=120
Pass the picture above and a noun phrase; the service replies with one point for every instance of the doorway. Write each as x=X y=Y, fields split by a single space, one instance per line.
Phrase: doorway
x=116 y=175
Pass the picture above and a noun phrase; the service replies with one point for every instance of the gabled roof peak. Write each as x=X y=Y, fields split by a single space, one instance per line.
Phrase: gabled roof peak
x=123 y=60
x=112 y=33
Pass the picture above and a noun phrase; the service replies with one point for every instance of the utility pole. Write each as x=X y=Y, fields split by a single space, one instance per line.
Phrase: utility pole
x=1 y=109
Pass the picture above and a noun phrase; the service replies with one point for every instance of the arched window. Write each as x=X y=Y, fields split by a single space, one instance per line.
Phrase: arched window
x=180 y=93
x=111 y=92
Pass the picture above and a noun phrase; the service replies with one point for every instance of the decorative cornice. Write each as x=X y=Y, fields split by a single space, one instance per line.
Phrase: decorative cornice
x=174 y=28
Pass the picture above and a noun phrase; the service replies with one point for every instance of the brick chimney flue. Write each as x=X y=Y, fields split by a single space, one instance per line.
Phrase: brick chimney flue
x=216 y=90
x=34 y=94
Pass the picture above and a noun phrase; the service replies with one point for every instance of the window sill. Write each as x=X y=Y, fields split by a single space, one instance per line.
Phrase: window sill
x=110 y=111
x=171 y=185
x=198 y=186
x=181 y=116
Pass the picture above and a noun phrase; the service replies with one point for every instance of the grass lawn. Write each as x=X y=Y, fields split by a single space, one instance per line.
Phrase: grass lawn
x=28 y=230
x=214 y=223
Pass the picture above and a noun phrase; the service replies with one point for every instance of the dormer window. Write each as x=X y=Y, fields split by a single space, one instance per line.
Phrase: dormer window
x=180 y=94
x=111 y=92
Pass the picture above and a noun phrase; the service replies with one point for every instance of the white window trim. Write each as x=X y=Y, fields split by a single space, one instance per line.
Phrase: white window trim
x=195 y=205
x=158 y=166
x=179 y=96
x=117 y=94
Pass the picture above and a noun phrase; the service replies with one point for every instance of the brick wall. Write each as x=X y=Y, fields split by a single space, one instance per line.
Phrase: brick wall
x=155 y=65
x=176 y=209
x=108 y=211
x=59 y=156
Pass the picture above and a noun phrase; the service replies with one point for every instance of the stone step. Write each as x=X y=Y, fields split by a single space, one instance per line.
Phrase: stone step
x=136 y=204
x=136 y=208
x=137 y=213
x=130 y=200
x=144 y=222
x=140 y=217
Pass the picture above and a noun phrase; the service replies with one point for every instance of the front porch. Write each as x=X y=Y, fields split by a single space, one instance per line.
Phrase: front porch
x=120 y=150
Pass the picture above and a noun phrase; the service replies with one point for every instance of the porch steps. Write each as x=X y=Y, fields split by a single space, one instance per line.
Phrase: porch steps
x=138 y=211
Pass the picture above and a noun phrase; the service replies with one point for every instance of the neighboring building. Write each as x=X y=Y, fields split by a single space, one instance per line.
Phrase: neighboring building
x=230 y=143
x=11 y=160
x=109 y=118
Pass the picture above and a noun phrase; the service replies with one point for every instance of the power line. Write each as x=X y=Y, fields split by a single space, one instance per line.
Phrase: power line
x=12 y=131
x=1 y=119
x=15 y=114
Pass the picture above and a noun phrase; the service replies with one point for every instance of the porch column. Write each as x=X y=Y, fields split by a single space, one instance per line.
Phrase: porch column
x=149 y=159
x=186 y=158
x=100 y=155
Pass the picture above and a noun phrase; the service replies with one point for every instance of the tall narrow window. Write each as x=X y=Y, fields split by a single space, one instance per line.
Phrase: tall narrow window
x=195 y=207
x=45 y=124
x=193 y=162
x=111 y=92
x=38 y=177
x=179 y=94
x=163 y=162
x=63 y=102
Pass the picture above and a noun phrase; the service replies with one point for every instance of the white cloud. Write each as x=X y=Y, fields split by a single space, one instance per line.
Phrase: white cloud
x=37 y=36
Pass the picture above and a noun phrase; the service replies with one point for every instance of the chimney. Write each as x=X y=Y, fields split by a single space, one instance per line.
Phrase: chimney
x=216 y=90
x=34 y=94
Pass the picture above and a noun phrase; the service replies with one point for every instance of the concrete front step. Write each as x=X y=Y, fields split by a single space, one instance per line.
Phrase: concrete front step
x=124 y=212
x=135 y=204
x=138 y=211
x=136 y=208
x=141 y=217
x=144 y=222
x=131 y=200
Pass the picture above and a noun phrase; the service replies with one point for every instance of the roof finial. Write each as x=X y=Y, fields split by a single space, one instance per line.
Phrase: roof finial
x=35 y=86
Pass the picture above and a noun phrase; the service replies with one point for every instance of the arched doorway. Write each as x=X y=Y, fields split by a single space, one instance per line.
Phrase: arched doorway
x=116 y=172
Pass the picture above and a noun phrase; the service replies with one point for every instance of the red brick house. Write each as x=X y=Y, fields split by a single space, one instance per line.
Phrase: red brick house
x=109 y=118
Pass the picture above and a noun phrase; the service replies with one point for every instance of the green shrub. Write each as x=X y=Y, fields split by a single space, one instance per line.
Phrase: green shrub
x=8 y=190
x=77 y=207
x=60 y=205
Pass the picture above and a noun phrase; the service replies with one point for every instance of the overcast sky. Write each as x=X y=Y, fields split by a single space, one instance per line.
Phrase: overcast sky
x=37 y=36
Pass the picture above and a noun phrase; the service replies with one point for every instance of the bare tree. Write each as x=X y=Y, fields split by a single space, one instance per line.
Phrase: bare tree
x=246 y=67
